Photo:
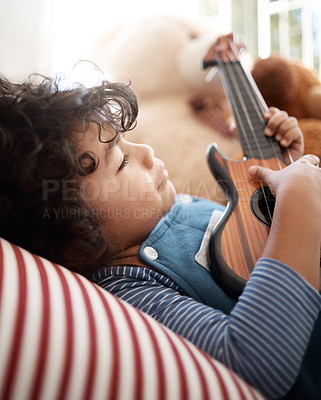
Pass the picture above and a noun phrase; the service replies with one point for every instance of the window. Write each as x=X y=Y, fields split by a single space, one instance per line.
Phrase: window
x=288 y=27
x=291 y=28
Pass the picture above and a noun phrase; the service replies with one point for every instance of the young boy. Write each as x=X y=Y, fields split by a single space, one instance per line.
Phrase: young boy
x=74 y=190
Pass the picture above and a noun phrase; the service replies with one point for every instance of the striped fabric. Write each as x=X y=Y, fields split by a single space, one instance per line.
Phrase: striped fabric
x=263 y=340
x=62 y=337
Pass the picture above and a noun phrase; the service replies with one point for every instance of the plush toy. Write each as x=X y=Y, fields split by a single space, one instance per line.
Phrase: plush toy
x=160 y=56
x=296 y=89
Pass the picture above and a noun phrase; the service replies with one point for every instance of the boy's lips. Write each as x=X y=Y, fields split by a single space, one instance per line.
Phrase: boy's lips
x=164 y=178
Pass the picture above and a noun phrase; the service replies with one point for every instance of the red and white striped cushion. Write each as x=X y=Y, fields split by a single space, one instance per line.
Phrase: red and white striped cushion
x=62 y=337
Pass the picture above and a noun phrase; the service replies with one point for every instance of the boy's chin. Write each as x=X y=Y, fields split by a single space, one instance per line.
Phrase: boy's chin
x=170 y=191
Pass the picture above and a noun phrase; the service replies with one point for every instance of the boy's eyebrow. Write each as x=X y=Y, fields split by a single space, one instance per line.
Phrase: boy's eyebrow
x=110 y=145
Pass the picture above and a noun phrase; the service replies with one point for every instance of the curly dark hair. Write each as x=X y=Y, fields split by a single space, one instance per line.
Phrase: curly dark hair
x=37 y=121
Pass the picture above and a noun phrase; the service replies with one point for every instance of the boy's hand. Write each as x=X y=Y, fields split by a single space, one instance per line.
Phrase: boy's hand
x=286 y=132
x=300 y=177
x=295 y=235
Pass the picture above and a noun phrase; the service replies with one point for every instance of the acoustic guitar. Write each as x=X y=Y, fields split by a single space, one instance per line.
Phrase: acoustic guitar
x=239 y=237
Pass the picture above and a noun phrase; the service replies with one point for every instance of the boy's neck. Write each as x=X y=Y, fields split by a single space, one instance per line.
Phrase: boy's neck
x=127 y=257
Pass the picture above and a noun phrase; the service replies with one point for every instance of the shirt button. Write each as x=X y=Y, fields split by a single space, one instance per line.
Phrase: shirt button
x=150 y=253
x=186 y=199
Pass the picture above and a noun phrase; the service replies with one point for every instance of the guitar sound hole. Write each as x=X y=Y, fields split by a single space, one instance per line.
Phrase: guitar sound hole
x=262 y=205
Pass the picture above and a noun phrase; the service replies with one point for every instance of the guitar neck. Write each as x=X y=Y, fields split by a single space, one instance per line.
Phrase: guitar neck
x=248 y=109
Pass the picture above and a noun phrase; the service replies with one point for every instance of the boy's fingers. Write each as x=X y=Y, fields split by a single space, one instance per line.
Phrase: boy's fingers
x=270 y=111
x=275 y=119
x=290 y=136
x=259 y=173
x=312 y=159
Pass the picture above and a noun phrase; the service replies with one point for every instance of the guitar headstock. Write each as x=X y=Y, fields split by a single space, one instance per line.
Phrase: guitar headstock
x=226 y=48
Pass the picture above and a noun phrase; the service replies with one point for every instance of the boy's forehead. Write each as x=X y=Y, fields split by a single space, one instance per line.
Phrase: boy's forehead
x=107 y=133
x=97 y=132
x=104 y=129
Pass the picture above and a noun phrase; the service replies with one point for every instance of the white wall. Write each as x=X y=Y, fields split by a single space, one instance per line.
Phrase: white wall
x=25 y=37
x=49 y=36
x=78 y=24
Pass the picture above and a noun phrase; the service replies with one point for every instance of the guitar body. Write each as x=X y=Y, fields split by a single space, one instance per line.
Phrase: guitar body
x=238 y=239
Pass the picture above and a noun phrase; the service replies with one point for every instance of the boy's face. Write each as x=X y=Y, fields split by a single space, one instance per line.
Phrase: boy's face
x=129 y=191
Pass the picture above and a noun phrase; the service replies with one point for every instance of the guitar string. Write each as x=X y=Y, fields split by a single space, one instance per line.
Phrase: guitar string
x=237 y=116
x=248 y=86
x=232 y=88
x=258 y=100
x=260 y=114
x=251 y=132
x=240 y=121
x=241 y=102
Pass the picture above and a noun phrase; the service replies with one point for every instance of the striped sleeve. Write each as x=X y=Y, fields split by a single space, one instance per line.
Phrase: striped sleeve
x=263 y=340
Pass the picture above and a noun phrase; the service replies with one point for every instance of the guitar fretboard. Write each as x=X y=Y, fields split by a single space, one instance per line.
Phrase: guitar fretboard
x=248 y=111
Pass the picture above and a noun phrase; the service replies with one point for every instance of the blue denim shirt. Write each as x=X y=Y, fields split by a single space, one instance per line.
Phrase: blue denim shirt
x=172 y=246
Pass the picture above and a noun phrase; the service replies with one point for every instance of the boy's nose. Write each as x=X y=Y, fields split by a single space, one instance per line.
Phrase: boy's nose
x=147 y=153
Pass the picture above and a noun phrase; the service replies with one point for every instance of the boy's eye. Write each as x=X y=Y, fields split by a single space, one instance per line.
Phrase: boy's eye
x=124 y=162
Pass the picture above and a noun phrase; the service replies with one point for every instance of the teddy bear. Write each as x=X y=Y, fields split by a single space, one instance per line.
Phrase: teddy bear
x=292 y=87
x=160 y=55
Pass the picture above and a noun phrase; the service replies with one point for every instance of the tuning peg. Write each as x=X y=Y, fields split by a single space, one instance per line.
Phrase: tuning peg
x=209 y=63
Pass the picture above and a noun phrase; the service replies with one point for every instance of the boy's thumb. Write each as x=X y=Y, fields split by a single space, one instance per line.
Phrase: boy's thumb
x=259 y=173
